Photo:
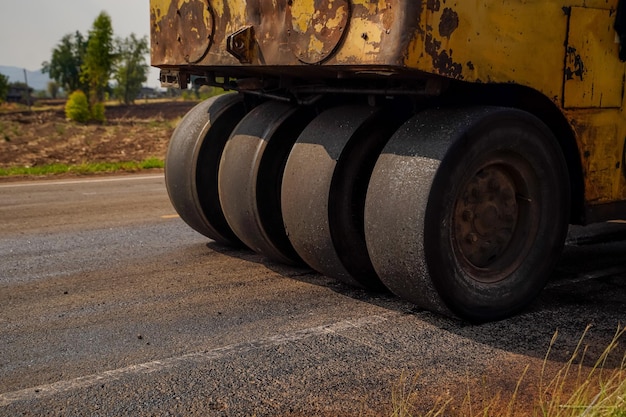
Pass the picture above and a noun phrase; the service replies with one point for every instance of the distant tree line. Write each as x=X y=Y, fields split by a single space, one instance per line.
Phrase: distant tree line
x=4 y=87
x=89 y=64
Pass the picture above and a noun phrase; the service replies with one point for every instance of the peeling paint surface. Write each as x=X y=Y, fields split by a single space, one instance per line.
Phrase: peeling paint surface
x=287 y=32
x=592 y=65
x=442 y=58
x=574 y=65
x=601 y=135
x=564 y=50
x=448 y=23
x=182 y=30
x=316 y=28
x=492 y=41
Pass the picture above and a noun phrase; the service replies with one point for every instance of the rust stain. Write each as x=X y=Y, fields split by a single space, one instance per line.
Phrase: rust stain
x=448 y=23
x=575 y=66
x=195 y=29
x=433 y=5
x=442 y=60
x=184 y=33
x=388 y=16
x=316 y=28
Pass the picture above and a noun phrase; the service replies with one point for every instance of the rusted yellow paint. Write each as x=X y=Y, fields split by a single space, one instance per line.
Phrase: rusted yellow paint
x=363 y=40
x=365 y=3
x=158 y=10
x=336 y=21
x=218 y=8
x=526 y=43
x=521 y=42
x=302 y=12
x=592 y=63
x=237 y=20
x=315 y=45
x=594 y=83
x=601 y=134
x=372 y=6
x=206 y=17
x=493 y=41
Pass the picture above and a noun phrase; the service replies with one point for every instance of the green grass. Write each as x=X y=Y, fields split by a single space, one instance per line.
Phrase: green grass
x=83 y=169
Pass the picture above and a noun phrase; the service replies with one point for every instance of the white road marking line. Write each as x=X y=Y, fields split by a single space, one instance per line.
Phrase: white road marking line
x=43 y=391
x=81 y=181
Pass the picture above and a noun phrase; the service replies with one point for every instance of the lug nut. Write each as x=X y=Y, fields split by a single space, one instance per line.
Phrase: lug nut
x=471 y=238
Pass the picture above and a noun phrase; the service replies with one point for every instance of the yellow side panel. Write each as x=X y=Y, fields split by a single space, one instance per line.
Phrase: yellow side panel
x=592 y=69
x=601 y=136
x=493 y=41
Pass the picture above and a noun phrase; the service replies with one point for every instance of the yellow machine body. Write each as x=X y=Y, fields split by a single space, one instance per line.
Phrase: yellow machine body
x=438 y=148
x=566 y=51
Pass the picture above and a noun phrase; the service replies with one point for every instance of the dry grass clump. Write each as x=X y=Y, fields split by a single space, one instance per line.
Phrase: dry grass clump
x=579 y=391
x=574 y=390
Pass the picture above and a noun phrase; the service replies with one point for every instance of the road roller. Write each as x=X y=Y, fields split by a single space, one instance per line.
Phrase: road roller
x=436 y=149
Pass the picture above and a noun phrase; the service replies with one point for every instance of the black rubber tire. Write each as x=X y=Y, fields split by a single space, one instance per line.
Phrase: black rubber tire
x=192 y=163
x=250 y=177
x=323 y=191
x=490 y=177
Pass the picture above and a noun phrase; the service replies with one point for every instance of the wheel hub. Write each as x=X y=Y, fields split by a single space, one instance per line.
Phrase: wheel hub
x=486 y=216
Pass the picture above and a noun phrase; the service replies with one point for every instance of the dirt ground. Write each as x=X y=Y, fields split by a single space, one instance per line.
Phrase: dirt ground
x=131 y=133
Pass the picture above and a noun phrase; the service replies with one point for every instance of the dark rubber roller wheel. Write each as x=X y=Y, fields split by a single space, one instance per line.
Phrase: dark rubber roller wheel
x=250 y=176
x=324 y=187
x=467 y=211
x=192 y=164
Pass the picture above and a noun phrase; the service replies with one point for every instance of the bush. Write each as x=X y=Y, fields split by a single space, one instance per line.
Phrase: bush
x=77 y=107
x=97 y=112
x=188 y=95
x=205 y=92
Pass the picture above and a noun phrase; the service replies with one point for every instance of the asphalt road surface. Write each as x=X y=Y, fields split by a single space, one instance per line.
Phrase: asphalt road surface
x=110 y=305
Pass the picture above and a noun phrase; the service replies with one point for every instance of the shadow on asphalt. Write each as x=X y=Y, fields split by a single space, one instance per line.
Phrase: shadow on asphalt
x=586 y=296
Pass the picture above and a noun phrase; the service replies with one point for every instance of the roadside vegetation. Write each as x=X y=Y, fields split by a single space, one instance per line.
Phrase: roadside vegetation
x=43 y=142
x=573 y=390
x=96 y=115
x=83 y=168
x=85 y=66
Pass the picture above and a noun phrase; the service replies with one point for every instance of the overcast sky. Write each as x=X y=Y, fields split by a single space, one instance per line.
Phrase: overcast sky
x=30 y=29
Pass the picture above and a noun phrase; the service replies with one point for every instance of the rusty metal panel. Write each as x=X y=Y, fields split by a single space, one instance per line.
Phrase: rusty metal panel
x=316 y=28
x=493 y=42
x=379 y=32
x=286 y=32
x=593 y=72
x=601 y=134
x=524 y=42
x=182 y=30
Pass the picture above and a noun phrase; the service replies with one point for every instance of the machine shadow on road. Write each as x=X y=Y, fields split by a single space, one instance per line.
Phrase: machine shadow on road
x=587 y=290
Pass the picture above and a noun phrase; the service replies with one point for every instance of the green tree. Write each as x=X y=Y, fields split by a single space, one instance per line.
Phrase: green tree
x=132 y=69
x=99 y=58
x=66 y=62
x=53 y=89
x=4 y=87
